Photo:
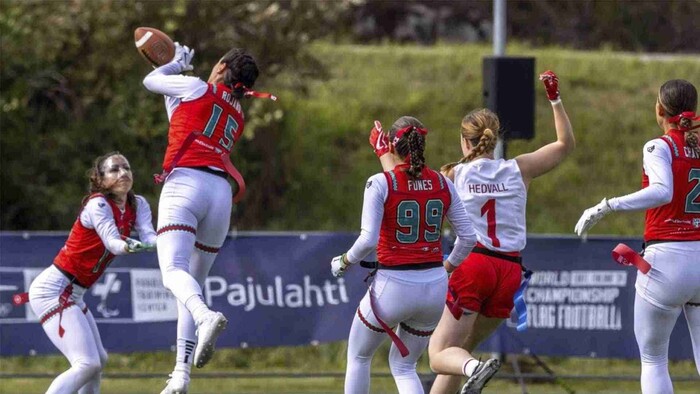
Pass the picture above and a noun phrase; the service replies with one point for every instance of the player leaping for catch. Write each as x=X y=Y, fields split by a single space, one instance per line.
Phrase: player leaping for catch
x=206 y=120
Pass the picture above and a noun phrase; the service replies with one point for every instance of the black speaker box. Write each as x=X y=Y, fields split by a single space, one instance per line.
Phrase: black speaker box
x=509 y=91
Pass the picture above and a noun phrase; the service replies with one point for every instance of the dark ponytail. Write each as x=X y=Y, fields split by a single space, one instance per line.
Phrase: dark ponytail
x=411 y=144
x=241 y=71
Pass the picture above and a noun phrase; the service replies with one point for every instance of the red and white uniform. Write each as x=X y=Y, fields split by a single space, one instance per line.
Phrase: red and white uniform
x=495 y=197
x=194 y=211
x=678 y=220
x=403 y=218
x=96 y=237
x=671 y=196
x=85 y=256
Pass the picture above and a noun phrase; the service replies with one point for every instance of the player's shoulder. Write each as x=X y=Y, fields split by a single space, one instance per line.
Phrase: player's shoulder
x=141 y=201
x=656 y=146
x=97 y=203
x=377 y=180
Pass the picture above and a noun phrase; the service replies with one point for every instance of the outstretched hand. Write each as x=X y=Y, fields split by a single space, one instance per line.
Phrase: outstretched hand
x=136 y=246
x=183 y=57
x=338 y=266
x=379 y=140
x=591 y=216
x=551 y=84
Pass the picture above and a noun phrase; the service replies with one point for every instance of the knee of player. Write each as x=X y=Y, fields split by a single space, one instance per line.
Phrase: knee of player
x=433 y=365
x=399 y=367
x=103 y=359
x=89 y=366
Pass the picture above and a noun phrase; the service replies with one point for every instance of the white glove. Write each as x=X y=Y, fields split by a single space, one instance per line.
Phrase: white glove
x=135 y=246
x=338 y=266
x=591 y=216
x=183 y=57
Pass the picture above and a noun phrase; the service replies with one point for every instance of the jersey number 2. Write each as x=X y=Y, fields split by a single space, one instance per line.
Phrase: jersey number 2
x=489 y=209
x=230 y=128
x=408 y=215
x=691 y=206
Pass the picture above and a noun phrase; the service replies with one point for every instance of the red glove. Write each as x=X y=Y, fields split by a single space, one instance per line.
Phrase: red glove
x=379 y=140
x=551 y=84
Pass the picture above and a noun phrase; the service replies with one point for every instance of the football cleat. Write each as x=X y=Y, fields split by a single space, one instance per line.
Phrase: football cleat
x=177 y=384
x=208 y=330
x=482 y=374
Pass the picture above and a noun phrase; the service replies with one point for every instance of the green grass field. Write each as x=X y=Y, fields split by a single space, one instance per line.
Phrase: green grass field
x=328 y=358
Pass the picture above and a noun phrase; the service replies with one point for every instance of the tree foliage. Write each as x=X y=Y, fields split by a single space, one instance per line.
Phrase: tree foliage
x=71 y=90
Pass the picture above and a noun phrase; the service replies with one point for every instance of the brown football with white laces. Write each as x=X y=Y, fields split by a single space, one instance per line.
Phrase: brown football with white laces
x=154 y=45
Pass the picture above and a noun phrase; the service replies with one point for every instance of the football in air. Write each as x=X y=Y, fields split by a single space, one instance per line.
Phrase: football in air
x=154 y=45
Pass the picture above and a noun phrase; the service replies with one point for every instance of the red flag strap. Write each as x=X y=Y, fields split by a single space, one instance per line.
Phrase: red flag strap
x=624 y=255
x=394 y=338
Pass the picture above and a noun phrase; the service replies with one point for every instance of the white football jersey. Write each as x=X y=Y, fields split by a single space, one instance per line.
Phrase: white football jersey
x=494 y=195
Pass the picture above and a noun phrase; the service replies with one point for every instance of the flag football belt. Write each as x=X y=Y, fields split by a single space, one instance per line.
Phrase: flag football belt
x=499 y=255
x=63 y=304
x=225 y=160
x=375 y=265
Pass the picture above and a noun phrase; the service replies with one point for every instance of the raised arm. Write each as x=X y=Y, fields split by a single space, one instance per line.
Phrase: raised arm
x=379 y=140
x=543 y=160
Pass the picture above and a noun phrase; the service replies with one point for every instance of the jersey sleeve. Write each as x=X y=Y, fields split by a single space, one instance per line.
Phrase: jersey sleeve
x=144 y=221
x=466 y=235
x=97 y=215
x=175 y=87
x=376 y=193
x=657 y=165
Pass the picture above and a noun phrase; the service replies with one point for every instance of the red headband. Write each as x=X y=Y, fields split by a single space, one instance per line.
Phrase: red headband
x=405 y=130
x=250 y=92
x=687 y=115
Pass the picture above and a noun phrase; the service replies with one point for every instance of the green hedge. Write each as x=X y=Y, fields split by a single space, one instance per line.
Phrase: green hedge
x=609 y=97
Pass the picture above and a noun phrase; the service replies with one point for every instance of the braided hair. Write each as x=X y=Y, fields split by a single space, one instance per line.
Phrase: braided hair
x=411 y=144
x=675 y=97
x=240 y=68
x=481 y=127
x=95 y=175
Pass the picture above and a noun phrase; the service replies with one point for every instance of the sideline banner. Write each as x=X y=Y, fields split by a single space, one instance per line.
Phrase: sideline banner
x=276 y=290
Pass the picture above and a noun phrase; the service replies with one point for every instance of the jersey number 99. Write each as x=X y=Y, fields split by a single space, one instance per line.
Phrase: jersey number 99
x=408 y=217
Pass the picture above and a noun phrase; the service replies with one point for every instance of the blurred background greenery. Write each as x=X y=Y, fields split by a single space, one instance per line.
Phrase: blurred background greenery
x=71 y=90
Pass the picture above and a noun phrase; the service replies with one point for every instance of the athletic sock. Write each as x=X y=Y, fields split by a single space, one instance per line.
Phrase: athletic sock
x=197 y=307
x=185 y=349
x=469 y=367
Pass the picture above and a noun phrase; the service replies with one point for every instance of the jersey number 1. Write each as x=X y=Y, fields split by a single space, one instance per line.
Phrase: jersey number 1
x=230 y=128
x=489 y=209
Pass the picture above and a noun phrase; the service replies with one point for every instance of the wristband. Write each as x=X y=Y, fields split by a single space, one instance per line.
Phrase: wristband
x=624 y=255
x=555 y=102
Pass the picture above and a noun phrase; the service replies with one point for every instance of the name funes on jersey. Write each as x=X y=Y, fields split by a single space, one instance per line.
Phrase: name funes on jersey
x=420 y=184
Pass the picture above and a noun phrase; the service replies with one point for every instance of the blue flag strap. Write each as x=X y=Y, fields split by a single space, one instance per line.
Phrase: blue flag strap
x=519 y=300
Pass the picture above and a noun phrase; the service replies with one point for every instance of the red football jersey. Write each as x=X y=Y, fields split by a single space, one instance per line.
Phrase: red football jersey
x=84 y=255
x=678 y=220
x=411 y=229
x=217 y=116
